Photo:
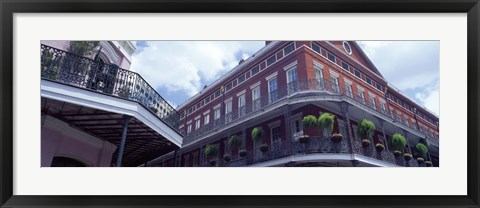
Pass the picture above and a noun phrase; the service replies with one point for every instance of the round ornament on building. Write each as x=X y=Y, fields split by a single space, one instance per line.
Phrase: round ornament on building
x=347 y=47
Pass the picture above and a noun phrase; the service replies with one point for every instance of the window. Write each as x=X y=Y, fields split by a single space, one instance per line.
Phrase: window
x=318 y=76
x=292 y=83
x=406 y=120
x=289 y=49
x=255 y=70
x=272 y=90
x=379 y=87
x=345 y=66
x=275 y=134
x=372 y=102
x=383 y=106
x=357 y=74
x=206 y=119
x=349 y=90
x=361 y=94
x=335 y=85
x=216 y=116
x=197 y=124
x=399 y=117
x=207 y=99
x=199 y=105
x=369 y=81
x=331 y=57
x=228 y=111
x=241 y=78
x=391 y=113
x=189 y=128
x=315 y=47
x=271 y=60
x=241 y=105
x=217 y=93
x=190 y=110
x=228 y=86
x=256 y=98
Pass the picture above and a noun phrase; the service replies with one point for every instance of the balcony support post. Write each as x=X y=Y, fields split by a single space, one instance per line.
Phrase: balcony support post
x=288 y=128
x=383 y=132
x=126 y=119
x=344 y=108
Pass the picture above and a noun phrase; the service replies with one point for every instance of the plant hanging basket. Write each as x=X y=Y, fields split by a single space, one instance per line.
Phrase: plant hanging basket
x=242 y=153
x=337 y=137
x=304 y=139
x=366 y=143
x=264 y=147
x=212 y=162
x=407 y=156
x=379 y=147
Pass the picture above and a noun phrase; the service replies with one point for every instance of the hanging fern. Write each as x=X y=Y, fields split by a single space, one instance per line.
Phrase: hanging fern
x=421 y=150
x=398 y=142
x=257 y=133
x=309 y=121
x=325 y=121
x=365 y=129
x=211 y=150
x=235 y=141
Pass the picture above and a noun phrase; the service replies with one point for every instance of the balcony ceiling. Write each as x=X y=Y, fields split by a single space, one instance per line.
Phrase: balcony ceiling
x=142 y=144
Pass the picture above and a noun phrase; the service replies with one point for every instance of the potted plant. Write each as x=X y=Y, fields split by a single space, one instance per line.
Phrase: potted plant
x=379 y=147
x=407 y=156
x=235 y=142
x=421 y=151
x=211 y=151
x=365 y=131
x=242 y=152
x=398 y=143
x=325 y=123
x=428 y=163
x=227 y=157
x=257 y=136
x=337 y=137
x=309 y=122
x=264 y=147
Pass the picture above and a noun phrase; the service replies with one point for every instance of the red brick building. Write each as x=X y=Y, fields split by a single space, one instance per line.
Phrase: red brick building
x=280 y=85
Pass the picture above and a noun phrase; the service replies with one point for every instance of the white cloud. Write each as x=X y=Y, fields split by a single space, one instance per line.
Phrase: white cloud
x=185 y=66
x=430 y=97
x=405 y=64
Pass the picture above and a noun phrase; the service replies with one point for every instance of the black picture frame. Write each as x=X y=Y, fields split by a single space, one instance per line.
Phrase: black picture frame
x=10 y=7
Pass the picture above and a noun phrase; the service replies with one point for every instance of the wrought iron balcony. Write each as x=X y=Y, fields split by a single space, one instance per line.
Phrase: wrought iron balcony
x=70 y=69
x=315 y=145
x=284 y=92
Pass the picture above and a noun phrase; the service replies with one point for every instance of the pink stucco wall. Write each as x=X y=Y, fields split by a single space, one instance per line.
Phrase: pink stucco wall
x=61 y=142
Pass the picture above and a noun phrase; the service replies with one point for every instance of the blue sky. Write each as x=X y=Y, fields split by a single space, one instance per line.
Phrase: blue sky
x=180 y=69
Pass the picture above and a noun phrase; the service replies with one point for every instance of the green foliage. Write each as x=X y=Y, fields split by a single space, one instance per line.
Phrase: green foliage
x=211 y=150
x=257 y=133
x=398 y=142
x=49 y=65
x=235 y=141
x=421 y=150
x=424 y=142
x=309 y=121
x=82 y=47
x=365 y=129
x=325 y=121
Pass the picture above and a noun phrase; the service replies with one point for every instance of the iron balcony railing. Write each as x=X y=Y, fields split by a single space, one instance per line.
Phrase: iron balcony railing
x=315 y=145
x=283 y=92
x=70 y=69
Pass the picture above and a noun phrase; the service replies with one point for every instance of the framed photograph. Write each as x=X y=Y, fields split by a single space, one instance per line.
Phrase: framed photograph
x=268 y=103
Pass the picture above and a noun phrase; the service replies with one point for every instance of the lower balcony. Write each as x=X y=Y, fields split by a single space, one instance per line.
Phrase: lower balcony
x=318 y=151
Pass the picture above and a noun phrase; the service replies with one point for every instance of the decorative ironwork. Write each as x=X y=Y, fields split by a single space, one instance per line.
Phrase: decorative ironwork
x=70 y=69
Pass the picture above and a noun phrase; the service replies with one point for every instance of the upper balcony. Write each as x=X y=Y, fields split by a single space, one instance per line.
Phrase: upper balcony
x=70 y=69
x=109 y=104
x=296 y=92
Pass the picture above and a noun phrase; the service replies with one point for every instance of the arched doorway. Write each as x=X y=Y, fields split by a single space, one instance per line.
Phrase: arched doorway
x=66 y=162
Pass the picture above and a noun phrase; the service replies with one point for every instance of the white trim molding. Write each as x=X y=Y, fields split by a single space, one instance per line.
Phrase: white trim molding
x=271 y=76
x=255 y=85
x=290 y=65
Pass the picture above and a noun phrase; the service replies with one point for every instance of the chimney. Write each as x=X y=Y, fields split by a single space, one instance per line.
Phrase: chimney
x=241 y=61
